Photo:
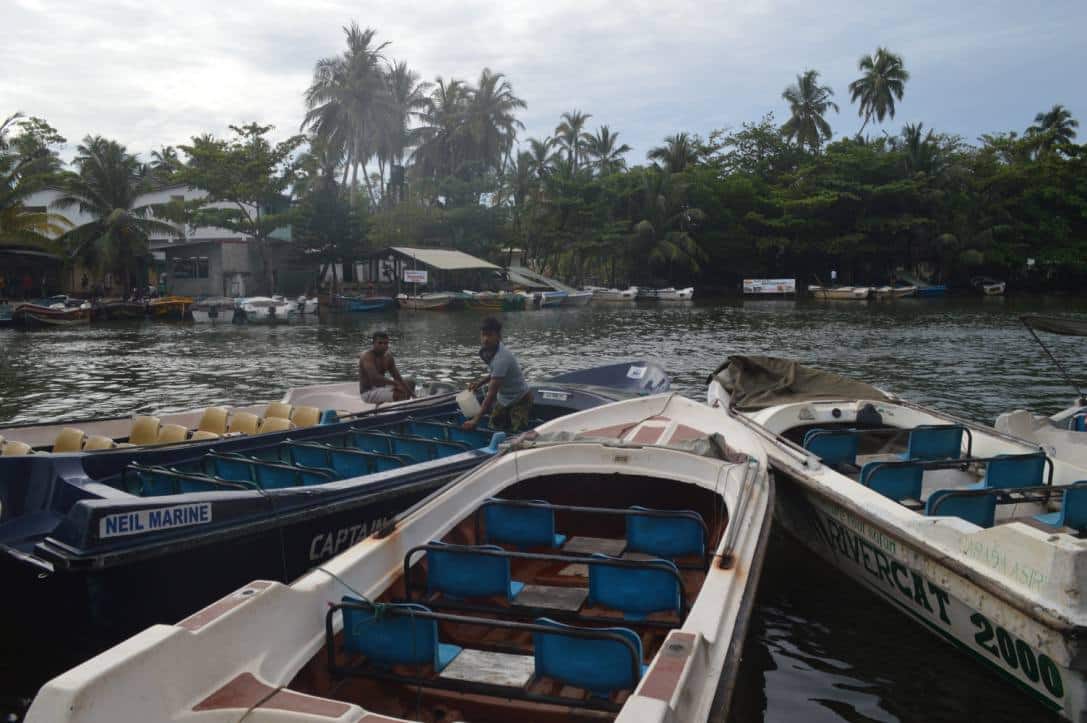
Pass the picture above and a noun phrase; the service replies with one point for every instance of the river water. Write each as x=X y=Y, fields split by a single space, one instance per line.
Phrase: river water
x=820 y=647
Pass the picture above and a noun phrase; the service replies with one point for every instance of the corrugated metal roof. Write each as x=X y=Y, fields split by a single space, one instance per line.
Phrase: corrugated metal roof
x=444 y=259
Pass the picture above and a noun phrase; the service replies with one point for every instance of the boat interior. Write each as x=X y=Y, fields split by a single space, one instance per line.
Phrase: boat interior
x=545 y=604
x=932 y=469
x=214 y=423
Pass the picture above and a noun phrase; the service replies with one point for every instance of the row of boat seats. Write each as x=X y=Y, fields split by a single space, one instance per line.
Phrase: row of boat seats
x=903 y=480
x=979 y=506
x=838 y=447
x=600 y=661
x=231 y=472
x=531 y=523
x=1078 y=423
x=636 y=588
x=11 y=448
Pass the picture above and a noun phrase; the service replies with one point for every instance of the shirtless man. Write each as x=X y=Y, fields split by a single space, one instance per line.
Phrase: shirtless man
x=374 y=364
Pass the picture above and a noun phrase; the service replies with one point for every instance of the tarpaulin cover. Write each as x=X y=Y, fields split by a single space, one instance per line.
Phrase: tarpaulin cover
x=758 y=382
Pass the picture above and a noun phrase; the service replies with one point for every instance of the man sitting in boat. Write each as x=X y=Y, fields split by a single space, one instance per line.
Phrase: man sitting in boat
x=374 y=364
x=513 y=410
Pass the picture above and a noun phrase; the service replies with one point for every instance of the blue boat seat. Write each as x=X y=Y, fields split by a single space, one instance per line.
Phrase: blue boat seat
x=935 y=441
x=229 y=466
x=672 y=536
x=895 y=481
x=835 y=447
x=1012 y=470
x=474 y=438
x=308 y=454
x=369 y=441
x=979 y=509
x=388 y=640
x=636 y=591
x=467 y=574
x=1079 y=422
x=598 y=665
x=1073 y=511
x=520 y=526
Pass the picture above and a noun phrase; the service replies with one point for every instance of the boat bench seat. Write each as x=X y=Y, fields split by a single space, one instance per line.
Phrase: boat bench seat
x=835 y=447
x=145 y=430
x=155 y=481
x=602 y=662
x=448 y=432
x=1078 y=423
x=937 y=441
x=1073 y=510
x=1008 y=471
x=345 y=462
x=418 y=449
x=264 y=474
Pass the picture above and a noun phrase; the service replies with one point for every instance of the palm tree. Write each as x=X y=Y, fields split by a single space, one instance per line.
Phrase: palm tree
x=348 y=100
x=543 y=155
x=491 y=119
x=107 y=186
x=919 y=148
x=808 y=102
x=883 y=80
x=1056 y=125
x=408 y=99
x=164 y=163
x=20 y=176
x=677 y=153
x=443 y=136
x=605 y=151
x=663 y=234
x=569 y=133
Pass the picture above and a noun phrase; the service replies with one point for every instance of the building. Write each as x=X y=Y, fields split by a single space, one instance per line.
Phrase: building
x=446 y=270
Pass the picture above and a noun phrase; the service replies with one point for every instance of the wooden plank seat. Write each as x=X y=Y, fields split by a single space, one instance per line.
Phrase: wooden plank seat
x=384 y=640
x=668 y=534
x=478 y=578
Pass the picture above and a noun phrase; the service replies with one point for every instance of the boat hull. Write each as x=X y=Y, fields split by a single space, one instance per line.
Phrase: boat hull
x=364 y=303
x=171 y=308
x=213 y=315
x=844 y=293
x=122 y=310
x=32 y=315
x=578 y=298
x=426 y=302
x=1022 y=650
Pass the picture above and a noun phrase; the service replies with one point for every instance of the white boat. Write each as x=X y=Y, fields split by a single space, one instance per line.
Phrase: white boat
x=307 y=305
x=577 y=298
x=426 y=302
x=611 y=295
x=263 y=309
x=988 y=286
x=215 y=310
x=840 y=293
x=893 y=292
x=670 y=294
x=507 y=630
x=292 y=304
x=550 y=299
x=970 y=532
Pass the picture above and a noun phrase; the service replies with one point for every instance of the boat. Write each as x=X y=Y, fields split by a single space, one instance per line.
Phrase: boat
x=577 y=298
x=51 y=313
x=174 y=308
x=265 y=309
x=603 y=569
x=1061 y=435
x=550 y=299
x=493 y=301
x=214 y=310
x=613 y=295
x=988 y=286
x=670 y=294
x=122 y=538
x=292 y=304
x=308 y=305
x=931 y=290
x=839 y=293
x=970 y=532
x=5 y=315
x=426 y=302
x=363 y=303
x=120 y=310
x=883 y=293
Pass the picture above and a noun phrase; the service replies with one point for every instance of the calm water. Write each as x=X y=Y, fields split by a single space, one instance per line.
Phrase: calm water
x=820 y=647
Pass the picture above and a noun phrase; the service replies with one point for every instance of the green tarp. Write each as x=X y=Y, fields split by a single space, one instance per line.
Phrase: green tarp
x=758 y=382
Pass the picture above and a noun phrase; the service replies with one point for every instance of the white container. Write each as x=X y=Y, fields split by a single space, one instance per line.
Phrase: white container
x=469 y=405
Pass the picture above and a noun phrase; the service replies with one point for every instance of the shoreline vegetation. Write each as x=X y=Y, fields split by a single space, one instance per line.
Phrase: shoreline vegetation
x=383 y=158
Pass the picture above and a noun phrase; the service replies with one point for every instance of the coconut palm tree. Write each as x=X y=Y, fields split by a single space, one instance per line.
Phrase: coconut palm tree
x=408 y=99
x=808 y=102
x=21 y=175
x=677 y=153
x=883 y=80
x=663 y=235
x=107 y=187
x=491 y=119
x=543 y=155
x=443 y=132
x=348 y=100
x=570 y=136
x=1057 y=126
x=164 y=163
x=606 y=151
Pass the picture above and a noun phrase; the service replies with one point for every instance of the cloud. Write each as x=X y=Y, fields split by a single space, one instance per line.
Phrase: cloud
x=156 y=74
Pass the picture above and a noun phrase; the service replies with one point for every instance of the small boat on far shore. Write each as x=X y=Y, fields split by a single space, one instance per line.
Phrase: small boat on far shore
x=265 y=309
x=893 y=292
x=494 y=301
x=988 y=286
x=577 y=298
x=840 y=293
x=214 y=310
x=613 y=295
x=342 y=302
x=45 y=314
x=427 y=302
x=170 y=308
x=119 y=310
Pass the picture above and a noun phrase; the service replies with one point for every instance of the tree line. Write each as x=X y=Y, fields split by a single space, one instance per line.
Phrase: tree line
x=382 y=157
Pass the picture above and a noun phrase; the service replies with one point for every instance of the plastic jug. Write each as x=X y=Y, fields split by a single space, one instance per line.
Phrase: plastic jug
x=469 y=405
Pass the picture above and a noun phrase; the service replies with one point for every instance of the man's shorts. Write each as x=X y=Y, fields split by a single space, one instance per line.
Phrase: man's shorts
x=378 y=395
x=517 y=417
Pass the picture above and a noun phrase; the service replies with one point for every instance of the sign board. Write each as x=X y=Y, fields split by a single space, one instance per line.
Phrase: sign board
x=769 y=286
x=415 y=276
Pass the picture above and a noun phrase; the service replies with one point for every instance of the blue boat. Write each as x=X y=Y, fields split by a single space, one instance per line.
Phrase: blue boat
x=364 y=303
x=929 y=291
x=113 y=541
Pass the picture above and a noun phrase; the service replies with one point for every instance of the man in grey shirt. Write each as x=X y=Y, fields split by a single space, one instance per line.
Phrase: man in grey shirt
x=507 y=393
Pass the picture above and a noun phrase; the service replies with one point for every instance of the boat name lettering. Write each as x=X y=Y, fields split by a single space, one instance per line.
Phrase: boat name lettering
x=160 y=518
x=554 y=396
x=325 y=545
x=901 y=579
x=858 y=525
x=1017 y=655
x=997 y=558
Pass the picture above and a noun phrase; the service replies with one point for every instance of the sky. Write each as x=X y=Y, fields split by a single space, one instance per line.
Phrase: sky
x=149 y=74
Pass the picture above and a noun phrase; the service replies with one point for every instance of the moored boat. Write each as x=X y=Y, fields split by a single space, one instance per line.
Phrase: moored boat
x=307 y=305
x=494 y=300
x=363 y=303
x=577 y=298
x=670 y=294
x=120 y=310
x=884 y=293
x=550 y=299
x=988 y=286
x=173 y=308
x=972 y=533
x=41 y=314
x=5 y=314
x=426 y=302
x=487 y=602
x=839 y=293
x=613 y=295
x=931 y=290
x=265 y=309
x=214 y=310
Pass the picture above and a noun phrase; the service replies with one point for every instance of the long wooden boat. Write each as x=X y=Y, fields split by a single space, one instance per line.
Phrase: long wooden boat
x=988 y=286
x=363 y=303
x=493 y=301
x=170 y=308
x=840 y=293
x=426 y=302
x=885 y=293
x=613 y=295
x=577 y=298
x=215 y=310
x=973 y=534
x=39 y=315
x=487 y=602
x=119 y=309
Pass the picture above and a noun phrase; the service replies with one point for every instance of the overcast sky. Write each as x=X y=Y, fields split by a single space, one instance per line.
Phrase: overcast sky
x=157 y=73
